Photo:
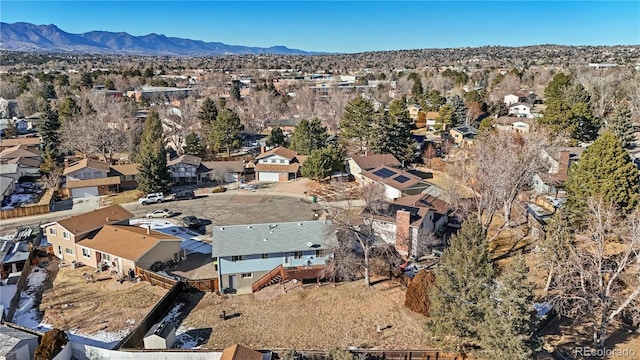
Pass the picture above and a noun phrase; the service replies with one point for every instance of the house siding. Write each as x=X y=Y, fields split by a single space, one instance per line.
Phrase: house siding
x=58 y=240
x=87 y=173
x=163 y=251
x=354 y=169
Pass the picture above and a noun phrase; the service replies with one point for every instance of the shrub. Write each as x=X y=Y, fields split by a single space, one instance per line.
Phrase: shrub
x=51 y=344
x=218 y=190
x=416 y=297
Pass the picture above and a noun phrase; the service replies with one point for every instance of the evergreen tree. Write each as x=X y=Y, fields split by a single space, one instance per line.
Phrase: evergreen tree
x=193 y=145
x=605 y=169
x=459 y=111
x=446 y=116
x=433 y=101
x=486 y=126
x=556 y=87
x=225 y=131
x=509 y=330
x=464 y=280
x=357 y=123
x=417 y=89
x=277 y=137
x=68 y=109
x=621 y=126
x=153 y=172
x=207 y=115
x=235 y=90
x=86 y=81
x=322 y=163
x=393 y=133
x=49 y=130
x=309 y=135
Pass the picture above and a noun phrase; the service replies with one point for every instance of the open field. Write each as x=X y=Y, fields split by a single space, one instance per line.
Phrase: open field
x=311 y=317
x=101 y=306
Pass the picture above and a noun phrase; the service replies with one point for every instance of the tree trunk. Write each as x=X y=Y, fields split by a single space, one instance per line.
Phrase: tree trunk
x=506 y=212
x=600 y=333
x=549 y=278
x=367 y=275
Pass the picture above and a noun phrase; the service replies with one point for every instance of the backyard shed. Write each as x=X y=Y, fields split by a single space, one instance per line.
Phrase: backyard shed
x=161 y=336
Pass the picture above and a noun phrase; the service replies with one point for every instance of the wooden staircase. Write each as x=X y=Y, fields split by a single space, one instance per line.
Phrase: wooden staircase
x=272 y=277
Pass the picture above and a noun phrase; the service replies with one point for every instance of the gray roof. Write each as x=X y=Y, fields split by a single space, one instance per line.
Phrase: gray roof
x=10 y=337
x=273 y=238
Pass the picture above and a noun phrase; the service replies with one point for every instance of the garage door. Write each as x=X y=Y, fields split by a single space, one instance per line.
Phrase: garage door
x=231 y=177
x=268 y=176
x=84 y=192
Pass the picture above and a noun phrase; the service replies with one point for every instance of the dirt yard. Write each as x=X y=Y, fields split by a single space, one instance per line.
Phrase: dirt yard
x=311 y=317
x=104 y=305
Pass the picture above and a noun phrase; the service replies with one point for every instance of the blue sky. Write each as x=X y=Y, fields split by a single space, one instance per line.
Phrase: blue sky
x=348 y=26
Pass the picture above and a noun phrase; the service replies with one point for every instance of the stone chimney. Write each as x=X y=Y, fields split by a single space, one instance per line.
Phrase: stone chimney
x=403 y=232
x=66 y=162
x=263 y=149
x=148 y=229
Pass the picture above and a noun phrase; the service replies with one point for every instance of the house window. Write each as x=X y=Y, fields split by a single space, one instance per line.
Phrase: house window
x=86 y=252
x=281 y=161
x=265 y=256
x=106 y=257
x=52 y=231
x=246 y=275
x=319 y=253
x=297 y=255
x=68 y=251
x=237 y=258
x=65 y=235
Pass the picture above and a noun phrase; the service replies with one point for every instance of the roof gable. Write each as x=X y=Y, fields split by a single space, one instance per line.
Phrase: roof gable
x=186 y=159
x=93 y=220
x=86 y=163
x=280 y=151
x=371 y=161
x=239 y=352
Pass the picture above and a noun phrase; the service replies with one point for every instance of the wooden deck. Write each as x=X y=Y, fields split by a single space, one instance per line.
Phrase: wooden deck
x=280 y=274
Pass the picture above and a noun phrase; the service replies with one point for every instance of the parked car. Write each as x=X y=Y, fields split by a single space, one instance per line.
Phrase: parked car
x=184 y=195
x=162 y=213
x=190 y=221
x=154 y=198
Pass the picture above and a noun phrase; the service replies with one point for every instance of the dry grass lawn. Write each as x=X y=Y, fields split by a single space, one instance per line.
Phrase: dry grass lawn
x=123 y=197
x=74 y=303
x=312 y=317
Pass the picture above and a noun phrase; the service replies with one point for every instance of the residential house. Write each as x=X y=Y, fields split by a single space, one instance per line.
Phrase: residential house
x=33 y=142
x=128 y=174
x=235 y=170
x=7 y=186
x=22 y=125
x=414 y=111
x=357 y=164
x=520 y=97
x=122 y=248
x=89 y=177
x=278 y=164
x=16 y=344
x=18 y=151
x=560 y=160
x=288 y=126
x=64 y=234
x=520 y=110
x=511 y=123
x=431 y=119
x=184 y=169
x=239 y=352
x=13 y=255
x=463 y=135
x=245 y=253
x=396 y=182
x=410 y=221
x=159 y=92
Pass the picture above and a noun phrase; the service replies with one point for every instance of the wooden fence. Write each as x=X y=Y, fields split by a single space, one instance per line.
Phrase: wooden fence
x=387 y=354
x=155 y=279
x=20 y=285
x=42 y=207
x=210 y=285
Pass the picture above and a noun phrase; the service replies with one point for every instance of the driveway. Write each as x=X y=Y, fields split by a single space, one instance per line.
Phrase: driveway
x=236 y=208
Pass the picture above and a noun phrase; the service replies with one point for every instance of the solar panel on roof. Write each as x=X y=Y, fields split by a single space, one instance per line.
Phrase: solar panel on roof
x=384 y=173
x=401 y=179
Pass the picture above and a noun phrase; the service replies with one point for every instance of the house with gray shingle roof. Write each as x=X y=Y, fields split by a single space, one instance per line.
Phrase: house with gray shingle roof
x=245 y=253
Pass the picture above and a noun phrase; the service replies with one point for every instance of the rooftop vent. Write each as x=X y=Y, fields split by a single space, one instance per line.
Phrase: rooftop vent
x=249 y=227
x=265 y=239
x=309 y=244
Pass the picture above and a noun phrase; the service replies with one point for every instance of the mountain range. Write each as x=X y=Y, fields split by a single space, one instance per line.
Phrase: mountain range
x=23 y=36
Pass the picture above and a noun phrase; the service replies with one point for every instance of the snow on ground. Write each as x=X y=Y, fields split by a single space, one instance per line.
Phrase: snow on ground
x=28 y=315
x=20 y=198
x=190 y=242
x=186 y=338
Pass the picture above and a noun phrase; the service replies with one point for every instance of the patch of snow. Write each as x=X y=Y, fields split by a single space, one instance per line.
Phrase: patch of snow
x=131 y=321
x=20 y=198
x=190 y=243
x=542 y=309
x=173 y=314
x=102 y=339
x=27 y=313
x=7 y=208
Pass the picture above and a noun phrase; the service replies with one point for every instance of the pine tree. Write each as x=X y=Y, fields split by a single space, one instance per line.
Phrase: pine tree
x=357 y=123
x=153 y=172
x=464 y=280
x=207 y=115
x=459 y=111
x=68 y=109
x=446 y=116
x=486 y=126
x=11 y=131
x=49 y=130
x=277 y=137
x=509 y=330
x=621 y=126
x=235 y=90
x=605 y=169
x=392 y=133
x=322 y=163
x=556 y=87
x=225 y=131
x=309 y=135
x=193 y=145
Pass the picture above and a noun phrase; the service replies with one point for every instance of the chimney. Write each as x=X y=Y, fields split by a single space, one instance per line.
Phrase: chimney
x=107 y=219
x=66 y=162
x=148 y=229
x=403 y=232
x=263 y=149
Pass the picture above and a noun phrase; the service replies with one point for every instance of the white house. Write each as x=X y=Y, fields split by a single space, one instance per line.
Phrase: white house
x=357 y=164
x=278 y=164
x=521 y=111
x=512 y=123
x=396 y=182
x=184 y=169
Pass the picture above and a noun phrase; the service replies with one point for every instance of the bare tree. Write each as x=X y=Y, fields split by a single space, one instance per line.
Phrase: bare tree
x=599 y=281
x=219 y=175
x=354 y=224
x=178 y=122
x=332 y=107
x=261 y=108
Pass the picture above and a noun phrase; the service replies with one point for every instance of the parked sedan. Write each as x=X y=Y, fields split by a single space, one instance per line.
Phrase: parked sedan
x=162 y=213
x=190 y=222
